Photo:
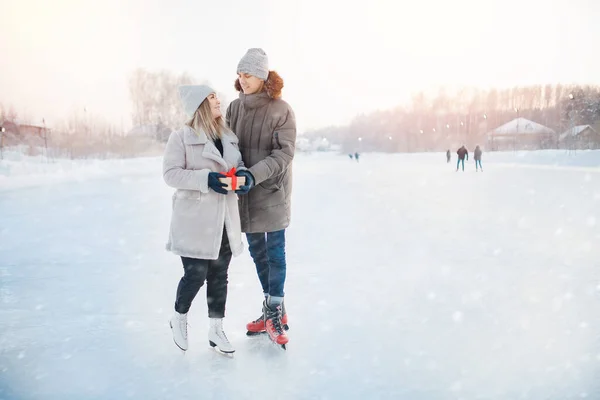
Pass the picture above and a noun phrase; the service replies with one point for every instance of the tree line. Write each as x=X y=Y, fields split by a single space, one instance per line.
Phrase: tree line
x=446 y=119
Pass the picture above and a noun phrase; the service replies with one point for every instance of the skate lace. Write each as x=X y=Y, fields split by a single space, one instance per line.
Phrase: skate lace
x=221 y=334
x=257 y=320
x=276 y=320
x=183 y=327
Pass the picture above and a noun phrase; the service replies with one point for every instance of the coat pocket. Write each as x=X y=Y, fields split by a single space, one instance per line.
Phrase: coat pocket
x=263 y=197
x=194 y=223
x=275 y=183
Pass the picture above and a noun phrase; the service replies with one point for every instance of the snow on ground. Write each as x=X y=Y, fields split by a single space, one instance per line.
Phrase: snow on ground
x=406 y=279
x=20 y=171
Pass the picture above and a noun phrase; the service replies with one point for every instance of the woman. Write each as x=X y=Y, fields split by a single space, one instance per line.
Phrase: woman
x=205 y=223
x=477 y=157
x=266 y=127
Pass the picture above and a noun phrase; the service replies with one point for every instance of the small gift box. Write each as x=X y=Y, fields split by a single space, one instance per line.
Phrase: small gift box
x=232 y=181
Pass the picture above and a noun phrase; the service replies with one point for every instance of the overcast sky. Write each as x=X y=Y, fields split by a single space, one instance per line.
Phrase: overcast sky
x=337 y=60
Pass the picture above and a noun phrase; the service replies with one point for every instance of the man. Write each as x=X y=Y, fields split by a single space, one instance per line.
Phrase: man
x=266 y=128
x=462 y=153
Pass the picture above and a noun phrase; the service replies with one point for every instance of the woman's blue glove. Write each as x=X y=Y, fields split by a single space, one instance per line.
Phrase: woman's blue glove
x=215 y=184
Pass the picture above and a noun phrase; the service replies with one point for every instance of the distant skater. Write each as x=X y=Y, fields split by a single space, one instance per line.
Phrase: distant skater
x=477 y=156
x=462 y=153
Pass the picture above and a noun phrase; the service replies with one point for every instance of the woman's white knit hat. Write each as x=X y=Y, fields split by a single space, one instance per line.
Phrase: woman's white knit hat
x=192 y=96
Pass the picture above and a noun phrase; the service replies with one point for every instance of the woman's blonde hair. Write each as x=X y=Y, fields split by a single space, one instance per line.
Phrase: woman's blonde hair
x=203 y=121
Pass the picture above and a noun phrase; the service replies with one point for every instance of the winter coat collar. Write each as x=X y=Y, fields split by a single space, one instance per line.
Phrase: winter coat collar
x=190 y=137
x=210 y=151
x=255 y=100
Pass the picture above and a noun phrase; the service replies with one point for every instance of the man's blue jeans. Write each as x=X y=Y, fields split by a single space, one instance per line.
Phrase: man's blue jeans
x=268 y=252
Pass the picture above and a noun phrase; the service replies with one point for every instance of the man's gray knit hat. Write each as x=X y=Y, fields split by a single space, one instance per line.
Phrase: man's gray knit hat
x=255 y=62
x=192 y=96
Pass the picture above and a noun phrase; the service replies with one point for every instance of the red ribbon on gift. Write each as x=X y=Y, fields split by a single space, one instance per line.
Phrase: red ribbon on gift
x=231 y=174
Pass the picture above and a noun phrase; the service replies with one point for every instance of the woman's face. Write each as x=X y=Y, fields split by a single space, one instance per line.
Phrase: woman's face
x=215 y=105
x=249 y=83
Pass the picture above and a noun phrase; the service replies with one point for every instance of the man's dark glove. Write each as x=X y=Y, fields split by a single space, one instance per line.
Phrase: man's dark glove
x=249 y=181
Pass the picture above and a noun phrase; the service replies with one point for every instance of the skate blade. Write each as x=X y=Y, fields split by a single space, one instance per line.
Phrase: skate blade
x=282 y=346
x=253 y=333
x=219 y=351
x=264 y=333
x=222 y=353
x=179 y=347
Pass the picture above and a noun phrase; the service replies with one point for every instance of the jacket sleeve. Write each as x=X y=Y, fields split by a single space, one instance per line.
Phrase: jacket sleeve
x=174 y=172
x=228 y=116
x=284 y=145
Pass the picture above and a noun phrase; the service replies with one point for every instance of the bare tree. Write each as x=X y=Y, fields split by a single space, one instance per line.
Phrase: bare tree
x=12 y=115
x=155 y=99
x=423 y=125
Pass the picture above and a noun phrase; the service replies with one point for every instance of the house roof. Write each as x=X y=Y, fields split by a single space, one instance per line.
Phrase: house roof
x=10 y=126
x=576 y=130
x=521 y=126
